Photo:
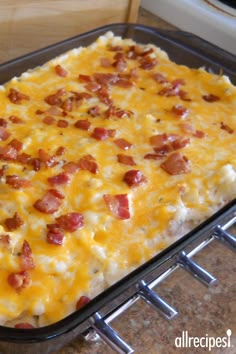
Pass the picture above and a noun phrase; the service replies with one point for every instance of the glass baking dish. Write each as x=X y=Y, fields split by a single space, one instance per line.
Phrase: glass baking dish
x=183 y=48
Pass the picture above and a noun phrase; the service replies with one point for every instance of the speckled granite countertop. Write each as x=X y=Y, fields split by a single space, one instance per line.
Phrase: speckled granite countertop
x=203 y=312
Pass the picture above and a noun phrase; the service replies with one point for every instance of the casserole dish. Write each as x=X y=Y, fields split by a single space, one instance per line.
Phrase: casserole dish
x=140 y=34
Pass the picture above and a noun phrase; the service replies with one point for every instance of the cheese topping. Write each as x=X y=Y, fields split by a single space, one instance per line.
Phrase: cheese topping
x=108 y=154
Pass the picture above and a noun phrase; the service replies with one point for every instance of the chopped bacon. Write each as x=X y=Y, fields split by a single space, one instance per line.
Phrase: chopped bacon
x=85 y=78
x=60 y=71
x=4 y=134
x=71 y=221
x=62 y=123
x=16 y=144
x=180 y=142
x=67 y=105
x=226 y=127
x=93 y=86
x=168 y=91
x=16 y=120
x=106 y=78
x=83 y=124
x=19 y=281
x=8 y=153
x=5 y=240
x=3 y=123
x=164 y=143
x=104 y=97
x=24 y=325
x=120 y=65
x=125 y=83
x=100 y=133
x=157 y=156
x=26 y=257
x=55 y=234
x=61 y=150
x=88 y=163
x=118 y=56
x=60 y=179
x=126 y=159
x=71 y=167
x=123 y=144
x=16 y=182
x=118 y=205
x=16 y=97
x=3 y=170
x=54 y=111
x=105 y=62
x=179 y=111
x=115 y=48
x=53 y=99
x=147 y=52
x=147 y=62
x=199 y=134
x=134 y=178
x=94 y=111
x=159 y=78
x=13 y=223
x=50 y=202
x=111 y=133
x=24 y=158
x=211 y=98
x=36 y=163
x=176 y=164
x=83 y=300
x=187 y=128
x=177 y=83
x=45 y=158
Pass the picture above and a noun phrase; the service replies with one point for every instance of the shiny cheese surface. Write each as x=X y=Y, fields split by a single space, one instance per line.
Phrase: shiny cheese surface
x=162 y=208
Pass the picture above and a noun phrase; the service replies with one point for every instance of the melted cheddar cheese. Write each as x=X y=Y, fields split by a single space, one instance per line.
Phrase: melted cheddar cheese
x=157 y=98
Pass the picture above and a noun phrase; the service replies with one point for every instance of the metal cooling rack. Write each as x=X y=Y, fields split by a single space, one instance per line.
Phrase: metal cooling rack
x=216 y=230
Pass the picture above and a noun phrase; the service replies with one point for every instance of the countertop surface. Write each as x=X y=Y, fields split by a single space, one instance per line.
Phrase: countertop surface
x=203 y=312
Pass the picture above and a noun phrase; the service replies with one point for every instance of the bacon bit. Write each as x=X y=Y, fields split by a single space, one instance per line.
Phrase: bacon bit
x=177 y=83
x=54 y=111
x=50 y=202
x=83 y=300
x=159 y=78
x=187 y=128
x=16 y=144
x=158 y=156
x=123 y=144
x=123 y=113
x=5 y=240
x=61 y=150
x=24 y=158
x=8 y=153
x=16 y=97
x=3 y=123
x=55 y=234
x=180 y=142
x=176 y=164
x=83 y=124
x=226 y=128
x=111 y=133
x=134 y=178
x=71 y=221
x=211 y=98
x=53 y=100
x=147 y=63
x=120 y=65
x=4 y=134
x=165 y=143
x=179 y=111
x=88 y=163
x=184 y=96
x=61 y=179
x=93 y=86
x=26 y=257
x=105 y=62
x=94 y=111
x=118 y=205
x=115 y=48
x=147 y=52
x=71 y=167
x=35 y=163
x=60 y=71
x=45 y=158
x=67 y=105
x=16 y=182
x=103 y=96
x=19 y=281
x=62 y=123
x=126 y=159
x=168 y=91
x=118 y=56
x=13 y=223
x=106 y=78
x=99 y=133
x=85 y=78
x=24 y=325
x=39 y=112
x=3 y=170
x=125 y=83
x=199 y=134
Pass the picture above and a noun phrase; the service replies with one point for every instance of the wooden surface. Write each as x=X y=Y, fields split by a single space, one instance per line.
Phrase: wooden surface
x=28 y=25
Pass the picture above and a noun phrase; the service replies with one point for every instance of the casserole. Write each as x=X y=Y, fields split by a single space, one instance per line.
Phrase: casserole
x=132 y=30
